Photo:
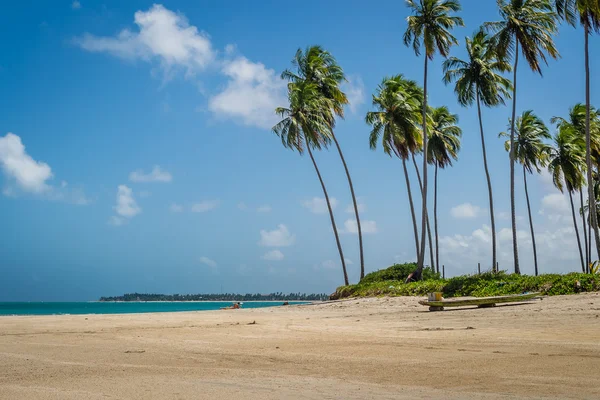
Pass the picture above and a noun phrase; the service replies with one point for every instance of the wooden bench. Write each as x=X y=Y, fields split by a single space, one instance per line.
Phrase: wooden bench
x=481 y=302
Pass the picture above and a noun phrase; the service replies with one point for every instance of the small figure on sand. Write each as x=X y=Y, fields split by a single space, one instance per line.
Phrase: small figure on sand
x=234 y=306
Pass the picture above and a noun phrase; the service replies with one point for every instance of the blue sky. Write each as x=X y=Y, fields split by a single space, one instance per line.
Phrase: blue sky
x=141 y=157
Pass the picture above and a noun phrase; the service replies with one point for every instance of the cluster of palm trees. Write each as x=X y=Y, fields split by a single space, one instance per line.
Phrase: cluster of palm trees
x=407 y=126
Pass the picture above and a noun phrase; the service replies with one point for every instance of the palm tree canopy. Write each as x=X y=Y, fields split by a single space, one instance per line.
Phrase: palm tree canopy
x=588 y=12
x=567 y=159
x=479 y=74
x=529 y=23
x=444 y=137
x=576 y=123
x=530 y=149
x=318 y=66
x=306 y=120
x=398 y=103
x=431 y=22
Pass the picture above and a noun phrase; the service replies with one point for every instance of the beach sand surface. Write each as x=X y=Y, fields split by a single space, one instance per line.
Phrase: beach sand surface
x=386 y=348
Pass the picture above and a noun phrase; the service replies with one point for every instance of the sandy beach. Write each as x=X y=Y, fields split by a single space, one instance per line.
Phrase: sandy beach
x=388 y=348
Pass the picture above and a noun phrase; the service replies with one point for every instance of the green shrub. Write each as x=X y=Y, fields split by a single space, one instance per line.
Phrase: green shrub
x=398 y=272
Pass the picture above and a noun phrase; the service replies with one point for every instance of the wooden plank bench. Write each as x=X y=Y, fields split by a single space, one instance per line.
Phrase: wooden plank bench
x=481 y=302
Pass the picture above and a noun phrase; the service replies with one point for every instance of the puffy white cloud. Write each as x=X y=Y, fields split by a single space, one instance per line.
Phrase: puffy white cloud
x=465 y=210
x=318 y=205
x=367 y=226
x=355 y=91
x=280 y=237
x=176 y=208
x=126 y=205
x=273 y=255
x=163 y=36
x=207 y=261
x=556 y=207
x=75 y=5
x=156 y=175
x=264 y=209
x=361 y=208
x=205 y=206
x=251 y=94
x=30 y=175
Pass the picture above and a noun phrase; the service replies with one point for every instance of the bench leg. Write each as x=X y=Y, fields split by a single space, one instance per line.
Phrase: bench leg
x=486 y=305
x=436 y=308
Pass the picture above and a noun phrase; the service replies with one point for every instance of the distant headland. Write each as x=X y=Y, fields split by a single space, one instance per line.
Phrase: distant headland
x=218 y=297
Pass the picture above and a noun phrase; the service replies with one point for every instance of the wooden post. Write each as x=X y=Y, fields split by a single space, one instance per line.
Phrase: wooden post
x=497 y=267
x=479 y=268
x=443 y=271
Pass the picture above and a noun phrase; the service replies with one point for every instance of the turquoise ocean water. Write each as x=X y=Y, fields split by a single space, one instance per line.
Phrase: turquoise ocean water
x=15 y=308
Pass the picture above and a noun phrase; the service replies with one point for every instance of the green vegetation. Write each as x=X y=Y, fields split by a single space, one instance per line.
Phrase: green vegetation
x=218 y=297
x=390 y=282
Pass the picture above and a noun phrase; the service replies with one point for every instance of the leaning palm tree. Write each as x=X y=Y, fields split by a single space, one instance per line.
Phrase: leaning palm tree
x=444 y=144
x=532 y=153
x=397 y=102
x=318 y=66
x=526 y=25
x=306 y=124
x=479 y=80
x=427 y=224
x=431 y=22
x=565 y=161
x=589 y=16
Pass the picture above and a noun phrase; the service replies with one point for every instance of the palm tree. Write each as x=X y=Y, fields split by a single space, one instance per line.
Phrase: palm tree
x=428 y=226
x=431 y=22
x=318 y=66
x=479 y=80
x=444 y=145
x=565 y=162
x=396 y=120
x=306 y=124
x=527 y=25
x=532 y=153
x=589 y=16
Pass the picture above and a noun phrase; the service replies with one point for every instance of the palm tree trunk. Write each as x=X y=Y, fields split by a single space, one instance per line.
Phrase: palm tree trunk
x=588 y=156
x=576 y=229
x=535 y=261
x=513 y=212
x=360 y=239
x=412 y=208
x=435 y=222
x=489 y=184
x=428 y=225
x=335 y=231
x=585 y=236
x=424 y=191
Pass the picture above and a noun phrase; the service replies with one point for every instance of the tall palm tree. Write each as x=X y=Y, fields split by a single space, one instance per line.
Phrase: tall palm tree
x=565 y=161
x=306 y=124
x=396 y=121
x=589 y=16
x=318 y=66
x=526 y=25
x=444 y=145
x=431 y=22
x=532 y=153
x=479 y=80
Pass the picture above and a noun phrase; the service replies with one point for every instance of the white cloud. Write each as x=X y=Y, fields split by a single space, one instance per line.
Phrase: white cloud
x=273 y=255
x=251 y=94
x=264 y=209
x=207 y=261
x=126 y=205
x=156 y=175
x=242 y=206
x=30 y=175
x=318 y=205
x=355 y=91
x=466 y=210
x=162 y=36
x=366 y=226
x=205 y=206
x=75 y=5
x=280 y=237
x=505 y=216
x=361 y=208
x=176 y=208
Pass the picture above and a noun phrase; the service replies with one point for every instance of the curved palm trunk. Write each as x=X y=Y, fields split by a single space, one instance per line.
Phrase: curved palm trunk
x=412 y=208
x=535 y=261
x=335 y=231
x=421 y=259
x=435 y=222
x=588 y=156
x=585 y=235
x=428 y=225
x=360 y=239
x=576 y=229
x=513 y=212
x=489 y=184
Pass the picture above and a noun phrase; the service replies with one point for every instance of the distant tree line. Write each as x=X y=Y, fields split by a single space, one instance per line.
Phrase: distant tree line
x=218 y=297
